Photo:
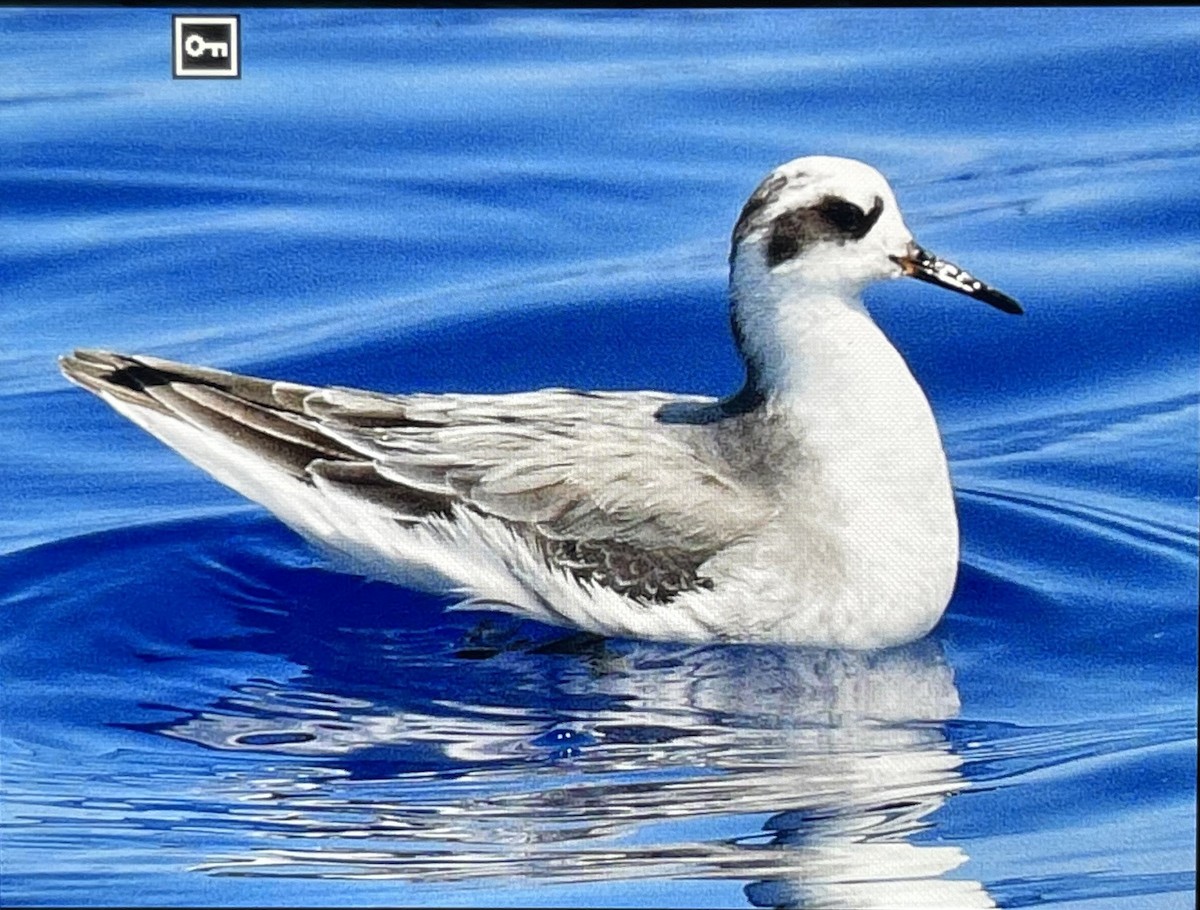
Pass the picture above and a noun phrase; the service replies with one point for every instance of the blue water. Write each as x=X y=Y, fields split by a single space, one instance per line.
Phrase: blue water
x=195 y=710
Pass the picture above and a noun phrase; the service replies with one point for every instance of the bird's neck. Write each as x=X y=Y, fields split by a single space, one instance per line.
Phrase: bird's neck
x=817 y=359
x=802 y=342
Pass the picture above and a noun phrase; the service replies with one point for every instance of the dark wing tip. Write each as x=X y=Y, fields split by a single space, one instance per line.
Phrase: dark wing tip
x=93 y=370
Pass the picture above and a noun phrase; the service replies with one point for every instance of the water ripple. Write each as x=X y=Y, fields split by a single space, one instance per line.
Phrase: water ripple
x=196 y=710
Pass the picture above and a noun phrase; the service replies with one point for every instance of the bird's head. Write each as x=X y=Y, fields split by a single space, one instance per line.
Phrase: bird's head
x=832 y=224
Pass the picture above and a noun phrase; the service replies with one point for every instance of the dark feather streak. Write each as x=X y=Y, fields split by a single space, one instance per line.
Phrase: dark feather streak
x=644 y=575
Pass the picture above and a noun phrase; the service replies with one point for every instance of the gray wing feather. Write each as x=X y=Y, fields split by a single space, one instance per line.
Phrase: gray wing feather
x=594 y=479
x=586 y=466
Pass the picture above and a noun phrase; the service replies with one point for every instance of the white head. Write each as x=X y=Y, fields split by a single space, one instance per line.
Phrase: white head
x=833 y=224
x=813 y=234
x=830 y=222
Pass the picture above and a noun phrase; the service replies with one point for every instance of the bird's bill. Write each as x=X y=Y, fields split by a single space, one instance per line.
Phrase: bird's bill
x=924 y=266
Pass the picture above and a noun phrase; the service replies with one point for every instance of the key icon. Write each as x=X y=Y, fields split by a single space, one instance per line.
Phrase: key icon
x=206 y=47
x=195 y=46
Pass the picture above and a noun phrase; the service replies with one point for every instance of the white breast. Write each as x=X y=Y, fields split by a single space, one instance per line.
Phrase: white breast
x=864 y=549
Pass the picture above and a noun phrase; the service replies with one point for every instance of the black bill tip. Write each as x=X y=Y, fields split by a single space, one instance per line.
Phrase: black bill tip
x=923 y=266
x=999 y=300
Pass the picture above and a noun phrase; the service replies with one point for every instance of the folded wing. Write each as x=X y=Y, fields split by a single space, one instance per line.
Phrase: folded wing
x=595 y=481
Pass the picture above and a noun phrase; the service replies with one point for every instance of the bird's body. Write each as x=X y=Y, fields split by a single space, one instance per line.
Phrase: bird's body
x=813 y=507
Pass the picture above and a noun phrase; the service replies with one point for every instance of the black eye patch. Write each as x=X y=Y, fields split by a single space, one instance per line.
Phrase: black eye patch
x=831 y=218
x=848 y=217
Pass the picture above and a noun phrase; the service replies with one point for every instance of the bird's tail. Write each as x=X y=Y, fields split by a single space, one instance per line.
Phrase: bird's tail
x=263 y=418
x=251 y=434
x=256 y=437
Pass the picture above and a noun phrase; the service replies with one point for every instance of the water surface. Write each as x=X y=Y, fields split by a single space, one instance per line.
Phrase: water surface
x=197 y=711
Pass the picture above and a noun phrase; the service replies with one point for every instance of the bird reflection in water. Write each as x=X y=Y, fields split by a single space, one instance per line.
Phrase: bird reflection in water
x=806 y=774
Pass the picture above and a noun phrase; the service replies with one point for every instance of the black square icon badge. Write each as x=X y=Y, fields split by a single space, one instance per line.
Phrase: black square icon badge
x=206 y=47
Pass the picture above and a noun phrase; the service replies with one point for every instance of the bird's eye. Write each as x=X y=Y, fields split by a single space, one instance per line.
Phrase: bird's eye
x=831 y=219
x=845 y=216
x=848 y=219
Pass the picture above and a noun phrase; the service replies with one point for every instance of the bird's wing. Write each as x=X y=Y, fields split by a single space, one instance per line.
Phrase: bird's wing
x=577 y=466
x=606 y=490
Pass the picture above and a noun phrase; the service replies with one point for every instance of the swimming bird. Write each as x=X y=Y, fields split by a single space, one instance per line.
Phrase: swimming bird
x=811 y=507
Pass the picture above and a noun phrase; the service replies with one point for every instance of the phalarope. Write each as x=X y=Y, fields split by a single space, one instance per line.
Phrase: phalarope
x=812 y=507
